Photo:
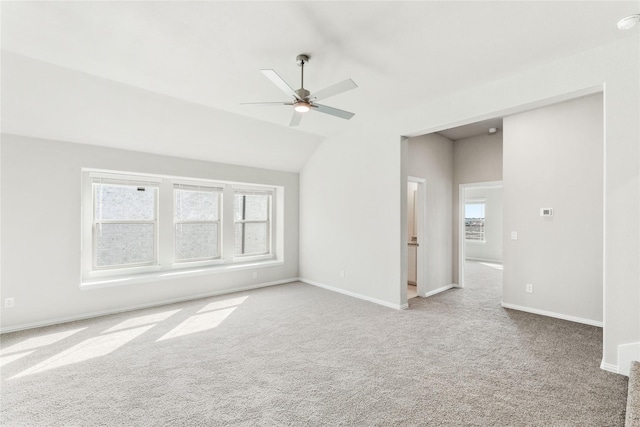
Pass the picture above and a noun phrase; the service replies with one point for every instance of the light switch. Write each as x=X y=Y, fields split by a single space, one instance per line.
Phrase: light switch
x=514 y=235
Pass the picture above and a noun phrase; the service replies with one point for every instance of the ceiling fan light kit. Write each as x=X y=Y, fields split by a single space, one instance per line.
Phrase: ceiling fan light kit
x=302 y=100
x=302 y=106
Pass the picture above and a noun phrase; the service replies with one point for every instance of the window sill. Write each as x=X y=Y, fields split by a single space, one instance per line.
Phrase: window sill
x=173 y=274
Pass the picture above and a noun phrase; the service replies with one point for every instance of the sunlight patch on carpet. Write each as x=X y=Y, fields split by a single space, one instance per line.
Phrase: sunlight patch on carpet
x=10 y=358
x=142 y=320
x=86 y=350
x=232 y=302
x=198 y=323
x=37 y=342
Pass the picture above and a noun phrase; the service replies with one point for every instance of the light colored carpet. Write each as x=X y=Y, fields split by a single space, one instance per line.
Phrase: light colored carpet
x=633 y=398
x=297 y=355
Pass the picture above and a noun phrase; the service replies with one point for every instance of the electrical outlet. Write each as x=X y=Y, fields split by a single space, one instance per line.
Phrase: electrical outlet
x=255 y=274
x=529 y=288
x=514 y=235
x=9 y=302
x=342 y=273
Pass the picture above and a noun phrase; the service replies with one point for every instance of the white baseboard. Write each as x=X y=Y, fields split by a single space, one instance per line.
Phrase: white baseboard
x=354 y=294
x=437 y=291
x=609 y=367
x=552 y=314
x=626 y=354
x=140 y=306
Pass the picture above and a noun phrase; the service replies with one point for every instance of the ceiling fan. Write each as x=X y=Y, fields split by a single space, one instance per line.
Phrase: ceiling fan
x=302 y=100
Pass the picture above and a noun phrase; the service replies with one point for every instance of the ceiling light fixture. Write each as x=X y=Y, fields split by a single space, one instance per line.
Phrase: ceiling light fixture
x=493 y=130
x=629 y=22
x=301 y=106
x=302 y=100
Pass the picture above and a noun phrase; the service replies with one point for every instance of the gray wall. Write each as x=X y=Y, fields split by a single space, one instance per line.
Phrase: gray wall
x=41 y=202
x=553 y=158
x=371 y=156
x=431 y=158
x=475 y=159
x=491 y=248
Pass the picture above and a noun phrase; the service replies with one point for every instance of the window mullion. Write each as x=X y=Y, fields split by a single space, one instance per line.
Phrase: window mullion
x=165 y=225
x=228 y=225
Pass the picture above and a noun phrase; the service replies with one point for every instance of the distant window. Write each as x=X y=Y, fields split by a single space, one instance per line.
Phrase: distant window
x=196 y=222
x=474 y=220
x=252 y=222
x=125 y=223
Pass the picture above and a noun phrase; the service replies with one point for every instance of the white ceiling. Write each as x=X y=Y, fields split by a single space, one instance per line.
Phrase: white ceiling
x=472 y=129
x=209 y=54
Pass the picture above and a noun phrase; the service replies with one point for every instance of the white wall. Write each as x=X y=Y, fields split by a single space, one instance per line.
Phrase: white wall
x=475 y=159
x=349 y=185
x=366 y=169
x=70 y=105
x=431 y=158
x=553 y=158
x=41 y=201
x=491 y=248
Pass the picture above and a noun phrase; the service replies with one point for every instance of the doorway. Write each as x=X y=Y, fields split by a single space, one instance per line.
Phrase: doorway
x=480 y=229
x=415 y=237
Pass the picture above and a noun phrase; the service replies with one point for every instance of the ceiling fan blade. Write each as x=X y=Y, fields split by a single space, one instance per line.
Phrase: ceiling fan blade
x=335 y=89
x=333 y=111
x=295 y=119
x=267 y=103
x=279 y=81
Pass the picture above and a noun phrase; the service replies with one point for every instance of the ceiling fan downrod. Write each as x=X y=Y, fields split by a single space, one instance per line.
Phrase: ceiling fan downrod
x=302 y=92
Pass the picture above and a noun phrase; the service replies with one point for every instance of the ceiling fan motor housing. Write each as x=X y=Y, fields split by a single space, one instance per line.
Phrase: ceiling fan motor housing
x=303 y=93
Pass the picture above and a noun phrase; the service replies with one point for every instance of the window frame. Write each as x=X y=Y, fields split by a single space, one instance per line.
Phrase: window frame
x=269 y=222
x=90 y=235
x=166 y=264
x=191 y=186
x=476 y=201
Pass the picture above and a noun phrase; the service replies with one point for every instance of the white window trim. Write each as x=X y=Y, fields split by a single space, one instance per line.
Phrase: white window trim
x=192 y=262
x=166 y=266
x=270 y=230
x=148 y=277
x=90 y=269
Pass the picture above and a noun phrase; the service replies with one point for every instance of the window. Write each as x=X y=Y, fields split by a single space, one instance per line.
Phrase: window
x=251 y=214
x=135 y=223
x=125 y=225
x=474 y=220
x=196 y=222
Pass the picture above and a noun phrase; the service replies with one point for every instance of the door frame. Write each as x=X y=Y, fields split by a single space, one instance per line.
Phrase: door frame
x=420 y=218
x=461 y=232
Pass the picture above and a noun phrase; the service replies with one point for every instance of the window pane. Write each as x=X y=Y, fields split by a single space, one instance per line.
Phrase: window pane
x=474 y=210
x=196 y=205
x=251 y=238
x=196 y=241
x=122 y=244
x=474 y=221
x=124 y=202
x=253 y=207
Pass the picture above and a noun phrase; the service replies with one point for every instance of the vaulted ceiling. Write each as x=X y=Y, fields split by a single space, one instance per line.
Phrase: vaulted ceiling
x=169 y=77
